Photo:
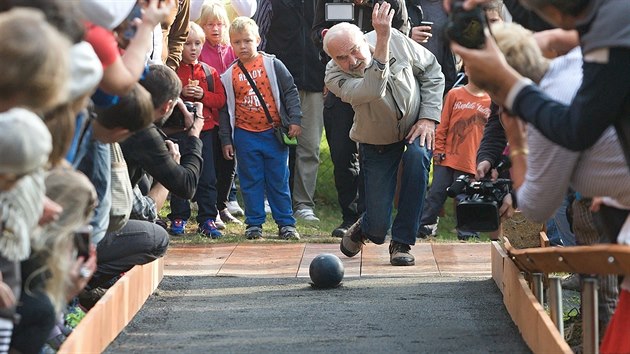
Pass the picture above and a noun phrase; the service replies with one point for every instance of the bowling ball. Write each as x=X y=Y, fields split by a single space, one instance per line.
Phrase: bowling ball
x=326 y=271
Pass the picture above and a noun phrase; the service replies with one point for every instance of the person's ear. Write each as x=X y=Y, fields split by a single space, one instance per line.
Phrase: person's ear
x=167 y=107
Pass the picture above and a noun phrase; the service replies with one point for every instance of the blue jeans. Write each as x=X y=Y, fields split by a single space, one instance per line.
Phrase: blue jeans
x=263 y=168
x=379 y=164
x=558 y=228
x=206 y=193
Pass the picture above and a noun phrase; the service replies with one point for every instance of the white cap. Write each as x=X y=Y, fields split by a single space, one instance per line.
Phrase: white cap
x=106 y=13
x=25 y=142
x=86 y=70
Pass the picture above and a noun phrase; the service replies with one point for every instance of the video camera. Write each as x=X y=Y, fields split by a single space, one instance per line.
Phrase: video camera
x=466 y=27
x=176 y=119
x=479 y=210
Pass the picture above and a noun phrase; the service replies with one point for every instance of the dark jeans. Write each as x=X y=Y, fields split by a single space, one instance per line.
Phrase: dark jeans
x=380 y=164
x=37 y=319
x=338 y=119
x=206 y=194
x=225 y=171
x=138 y=242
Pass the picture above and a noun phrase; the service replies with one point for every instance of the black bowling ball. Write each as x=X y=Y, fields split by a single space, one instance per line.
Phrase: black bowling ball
x=326 y=271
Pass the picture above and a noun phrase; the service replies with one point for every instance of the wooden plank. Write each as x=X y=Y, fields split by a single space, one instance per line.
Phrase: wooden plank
x=497 y=257
x=594 y=259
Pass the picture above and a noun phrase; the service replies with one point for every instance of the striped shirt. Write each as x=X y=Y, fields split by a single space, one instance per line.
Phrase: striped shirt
x=598 y=171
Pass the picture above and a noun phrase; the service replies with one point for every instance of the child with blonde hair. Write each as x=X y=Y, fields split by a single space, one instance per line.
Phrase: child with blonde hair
x=216 y=50
x=200 y=83
x=246 y=129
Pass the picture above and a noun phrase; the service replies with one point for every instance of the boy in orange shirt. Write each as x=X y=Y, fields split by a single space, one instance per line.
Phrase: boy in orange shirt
x=457 y=138
x=200 y=83
x=246 y=130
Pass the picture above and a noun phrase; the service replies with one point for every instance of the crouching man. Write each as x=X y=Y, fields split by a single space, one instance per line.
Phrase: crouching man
x=395 y=88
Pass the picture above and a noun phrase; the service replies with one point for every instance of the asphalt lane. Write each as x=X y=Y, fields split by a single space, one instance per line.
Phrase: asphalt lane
x=286 y=315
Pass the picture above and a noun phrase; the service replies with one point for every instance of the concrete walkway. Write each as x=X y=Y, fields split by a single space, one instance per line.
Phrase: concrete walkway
x=255 y=298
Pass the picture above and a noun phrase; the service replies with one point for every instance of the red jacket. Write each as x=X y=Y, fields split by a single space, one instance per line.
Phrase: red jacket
x=213 y=99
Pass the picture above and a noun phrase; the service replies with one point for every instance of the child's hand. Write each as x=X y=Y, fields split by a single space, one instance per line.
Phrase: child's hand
x=51 y=211
x=228 y=152
x=294 y=130
x=7 y=298
x=192 y=92
x=81 y=272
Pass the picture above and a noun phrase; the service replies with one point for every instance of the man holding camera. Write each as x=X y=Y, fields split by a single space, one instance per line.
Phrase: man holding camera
x=395 y=89
x=338 y=115
x=147 y=151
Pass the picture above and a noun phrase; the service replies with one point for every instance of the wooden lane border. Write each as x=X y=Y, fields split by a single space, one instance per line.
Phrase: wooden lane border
x=530 y=317
x=115 y=309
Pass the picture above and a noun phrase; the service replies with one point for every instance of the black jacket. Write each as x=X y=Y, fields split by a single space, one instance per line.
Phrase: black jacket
x=289 y=39
x=494 y=141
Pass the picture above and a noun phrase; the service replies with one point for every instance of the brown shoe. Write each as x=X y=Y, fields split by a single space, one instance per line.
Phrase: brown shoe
x=353 y=240
x=400 y=255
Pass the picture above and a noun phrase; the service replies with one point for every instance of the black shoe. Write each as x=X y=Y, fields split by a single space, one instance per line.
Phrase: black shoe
x=353 y=240
x=400 y=255
x=341 y=230
x=89 y=298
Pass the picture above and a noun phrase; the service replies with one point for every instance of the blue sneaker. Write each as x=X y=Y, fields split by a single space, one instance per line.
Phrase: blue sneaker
x=177 y=226
x=209 y=228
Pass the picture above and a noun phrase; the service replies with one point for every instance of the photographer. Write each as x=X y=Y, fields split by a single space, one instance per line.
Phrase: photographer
x=338 y=115
x=395 y=88
x=146 y=150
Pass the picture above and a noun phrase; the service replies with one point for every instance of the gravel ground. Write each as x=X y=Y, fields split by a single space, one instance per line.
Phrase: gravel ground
x=363 y=315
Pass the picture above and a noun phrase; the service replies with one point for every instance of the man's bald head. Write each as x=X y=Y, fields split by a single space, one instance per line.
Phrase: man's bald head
x=347 y=46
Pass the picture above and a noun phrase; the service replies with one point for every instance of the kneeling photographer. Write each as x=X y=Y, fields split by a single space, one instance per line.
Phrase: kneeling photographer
x=150 y=151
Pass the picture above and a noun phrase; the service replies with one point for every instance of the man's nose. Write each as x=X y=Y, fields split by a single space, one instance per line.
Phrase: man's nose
x=352 y=60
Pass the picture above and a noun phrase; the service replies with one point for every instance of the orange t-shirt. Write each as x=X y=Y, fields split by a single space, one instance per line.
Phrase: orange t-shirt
x=459 y=133
x=249 y=113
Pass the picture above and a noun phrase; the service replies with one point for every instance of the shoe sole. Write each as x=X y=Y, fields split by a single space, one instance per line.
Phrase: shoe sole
x=347 y=252
x=398 y=263
x=339 y=233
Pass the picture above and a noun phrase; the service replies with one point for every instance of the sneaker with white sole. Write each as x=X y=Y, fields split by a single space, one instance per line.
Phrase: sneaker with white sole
x=228 y=218
x=219 y=223
x=425 y=231
x=306 y=214
x=234 y=208
x=288 y=232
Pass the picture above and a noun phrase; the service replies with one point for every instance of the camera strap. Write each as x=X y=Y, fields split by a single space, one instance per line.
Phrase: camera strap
x=255 y=88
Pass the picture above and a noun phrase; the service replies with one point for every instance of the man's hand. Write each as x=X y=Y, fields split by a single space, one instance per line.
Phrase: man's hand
x=173 y=149
x=506 y=210
x=556 y=42
x=156 y=11
x=382 y=16
x=482 y=171
x=515 y=130
x=294 y=130
x=421 y=34
x=228 y=152
x=425 y=129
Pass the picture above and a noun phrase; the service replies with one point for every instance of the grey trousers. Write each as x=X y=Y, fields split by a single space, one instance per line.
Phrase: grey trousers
x=307 y=150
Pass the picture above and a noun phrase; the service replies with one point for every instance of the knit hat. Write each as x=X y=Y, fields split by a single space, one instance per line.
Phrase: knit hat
x=86 y=70
x=25 y=141
x=106 y=13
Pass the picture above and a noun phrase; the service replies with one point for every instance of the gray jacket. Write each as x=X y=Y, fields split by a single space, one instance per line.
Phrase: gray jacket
x=388 y=102
x=284 y=91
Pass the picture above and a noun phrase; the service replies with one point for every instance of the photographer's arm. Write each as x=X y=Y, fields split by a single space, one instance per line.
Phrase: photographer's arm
x=540 y=175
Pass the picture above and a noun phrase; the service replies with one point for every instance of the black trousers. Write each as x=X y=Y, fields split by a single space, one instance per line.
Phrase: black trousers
x=338 y=119
x=138 y=242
